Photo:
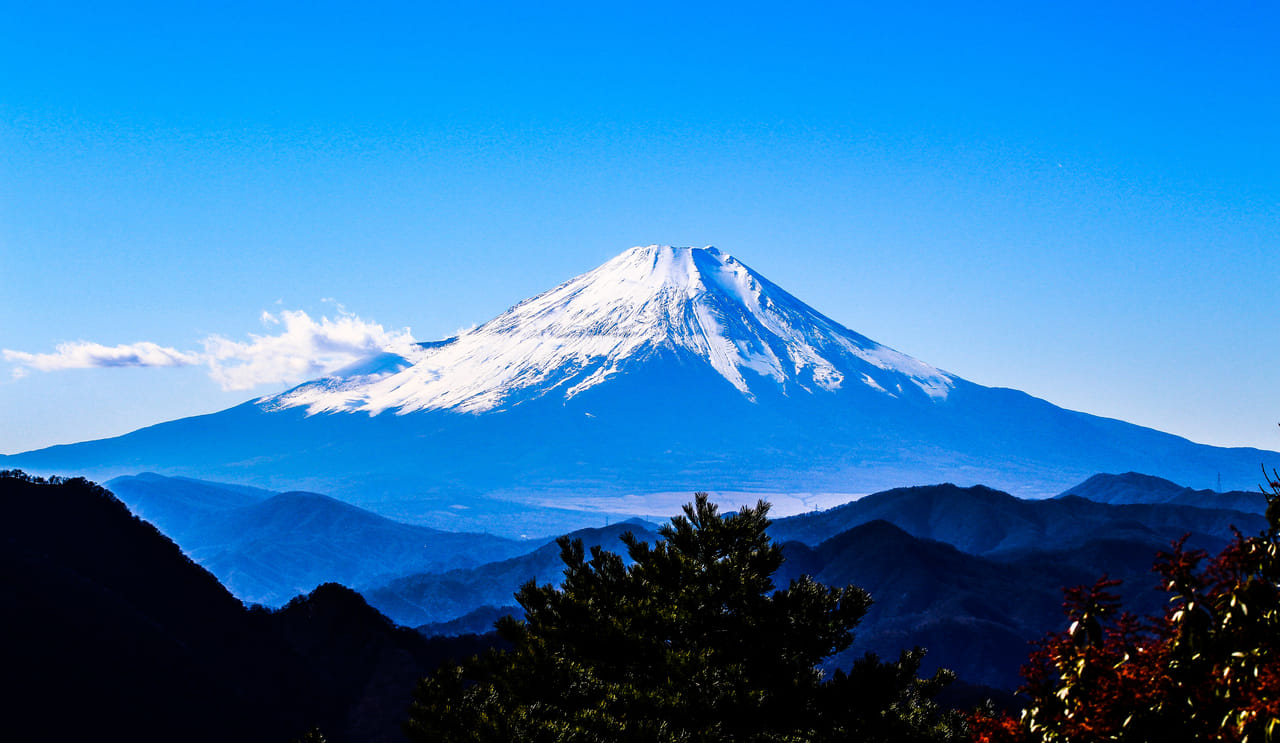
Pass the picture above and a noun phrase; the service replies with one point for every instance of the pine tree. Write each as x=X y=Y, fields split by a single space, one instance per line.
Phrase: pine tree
x=691 y=641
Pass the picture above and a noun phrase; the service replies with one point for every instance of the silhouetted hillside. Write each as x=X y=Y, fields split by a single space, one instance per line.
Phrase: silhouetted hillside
x=1132 y=487
x=982 y=521
x=974 y=614
x=111 y=633
x=477 y=620
x=993 y=579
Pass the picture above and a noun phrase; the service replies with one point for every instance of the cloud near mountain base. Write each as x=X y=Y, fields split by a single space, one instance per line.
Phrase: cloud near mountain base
x=302 y=349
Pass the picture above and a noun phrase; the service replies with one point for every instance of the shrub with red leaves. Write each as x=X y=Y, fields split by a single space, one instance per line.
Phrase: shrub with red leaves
x=1208 y=670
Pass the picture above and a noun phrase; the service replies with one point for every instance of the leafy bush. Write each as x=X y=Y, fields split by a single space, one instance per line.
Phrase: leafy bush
x=1208 y=670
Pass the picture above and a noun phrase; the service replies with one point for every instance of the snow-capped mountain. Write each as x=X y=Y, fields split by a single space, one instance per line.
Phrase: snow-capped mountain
x=699 y=302
x=663 y=371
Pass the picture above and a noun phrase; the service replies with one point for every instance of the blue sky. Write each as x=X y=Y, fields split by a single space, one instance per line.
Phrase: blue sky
x=1082 y=203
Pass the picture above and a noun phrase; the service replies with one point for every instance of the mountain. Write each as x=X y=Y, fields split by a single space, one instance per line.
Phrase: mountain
x=178 y=505
x=441 y=598
x=111 y=633
x=982 y=521
x=975 y=574
x=972 y=574
x=269 y=547
x=975 y=615
x=694 y=305
x=477 y=621
x=1132 y=487
x=663 y=371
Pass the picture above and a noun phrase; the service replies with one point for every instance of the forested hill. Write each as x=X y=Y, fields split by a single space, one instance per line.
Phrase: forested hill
x=110 y=632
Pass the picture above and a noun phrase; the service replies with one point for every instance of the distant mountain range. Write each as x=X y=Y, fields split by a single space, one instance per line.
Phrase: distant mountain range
x=1132 y=487
x=982 y=521
x=972 y=573
x=426 y=598
x=269 y=547
x=665 y=370
x=975 y=574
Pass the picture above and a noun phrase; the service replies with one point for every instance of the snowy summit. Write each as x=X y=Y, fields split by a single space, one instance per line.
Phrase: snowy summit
x=697 y=303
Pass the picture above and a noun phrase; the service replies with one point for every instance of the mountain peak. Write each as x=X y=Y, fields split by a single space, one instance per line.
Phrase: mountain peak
x=668 y=251
x=664 y=265
x=647 y=302
x=653 y=278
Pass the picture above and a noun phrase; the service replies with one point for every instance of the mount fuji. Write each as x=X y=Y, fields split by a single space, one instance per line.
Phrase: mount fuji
x=663 y=371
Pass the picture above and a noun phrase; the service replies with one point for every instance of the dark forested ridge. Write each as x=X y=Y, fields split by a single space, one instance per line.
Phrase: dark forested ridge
x=974 y=614
x=983 y=521
x=974 y=574
x=110 y=632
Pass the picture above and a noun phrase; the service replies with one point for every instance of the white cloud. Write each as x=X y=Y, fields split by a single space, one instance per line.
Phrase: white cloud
x=85 y=355
x=304 y=348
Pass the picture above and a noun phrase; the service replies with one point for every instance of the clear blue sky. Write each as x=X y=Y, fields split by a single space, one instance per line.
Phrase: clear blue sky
x=1082 y=203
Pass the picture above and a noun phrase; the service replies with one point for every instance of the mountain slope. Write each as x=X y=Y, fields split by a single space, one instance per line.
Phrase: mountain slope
x=1133 y=487
x=666 y=370
x=177 y=505
x=690 y=303
x=974 y=614
x=983 y=521
x=440 y=597
x=267 y=547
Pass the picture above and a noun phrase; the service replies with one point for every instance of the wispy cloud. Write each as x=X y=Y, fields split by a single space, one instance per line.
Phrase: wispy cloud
x=86 y=355
x=303 y=348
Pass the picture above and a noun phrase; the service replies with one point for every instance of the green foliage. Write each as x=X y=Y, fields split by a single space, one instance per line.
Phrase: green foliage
x=689 y=642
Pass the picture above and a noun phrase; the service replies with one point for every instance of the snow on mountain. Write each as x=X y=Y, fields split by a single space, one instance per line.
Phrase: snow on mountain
x=698 y=302
x=664 y=371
